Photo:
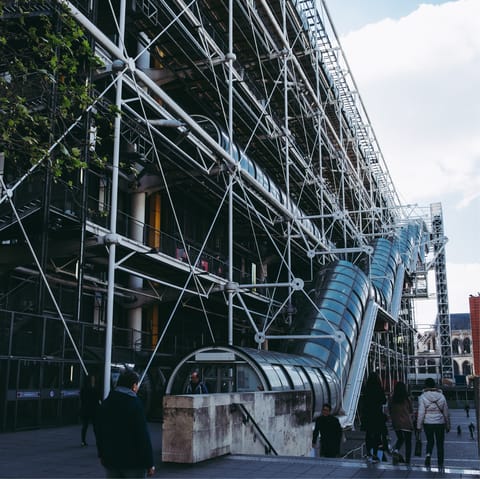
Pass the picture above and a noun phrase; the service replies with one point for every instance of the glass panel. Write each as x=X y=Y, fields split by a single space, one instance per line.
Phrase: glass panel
x=247 y=379
x=355 y=307
x=347 y=329
x=320 y=389
x=333 y=305
x=303 y=376
x=297 y=381
x=27 y=340
x=272 y=376
x=286 y=385
x=316 y=350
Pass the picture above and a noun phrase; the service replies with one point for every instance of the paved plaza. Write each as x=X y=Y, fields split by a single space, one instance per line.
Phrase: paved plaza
x=56 y=453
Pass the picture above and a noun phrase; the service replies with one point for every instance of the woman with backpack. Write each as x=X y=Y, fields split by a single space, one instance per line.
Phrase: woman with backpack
x=433 y=415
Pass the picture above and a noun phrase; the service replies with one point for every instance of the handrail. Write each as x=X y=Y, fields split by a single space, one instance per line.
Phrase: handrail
x=356 y=452
x=352 y=389
x=268 y=448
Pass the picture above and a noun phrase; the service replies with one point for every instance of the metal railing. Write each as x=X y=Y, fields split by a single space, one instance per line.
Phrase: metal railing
x=247 y=417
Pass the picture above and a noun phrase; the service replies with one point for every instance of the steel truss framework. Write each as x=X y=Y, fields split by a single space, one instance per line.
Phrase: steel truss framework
x=241 y=161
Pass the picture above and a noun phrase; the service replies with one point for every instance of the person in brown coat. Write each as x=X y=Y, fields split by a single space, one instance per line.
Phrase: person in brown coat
x=401 y=412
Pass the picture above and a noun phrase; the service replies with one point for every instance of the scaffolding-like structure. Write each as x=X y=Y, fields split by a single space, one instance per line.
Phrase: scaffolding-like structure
x=443 y=315
x=239 y=162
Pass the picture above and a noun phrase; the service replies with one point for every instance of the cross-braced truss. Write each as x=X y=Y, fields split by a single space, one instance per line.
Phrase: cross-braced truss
x=240 y=162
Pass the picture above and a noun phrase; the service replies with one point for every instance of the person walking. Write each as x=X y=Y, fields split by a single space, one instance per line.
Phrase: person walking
x=195 y=386
x=401 y=411
x=330 y=431
x=471 y=429
x=433 y=415
x=90 y=400
x=123 y=439
x=373 y=416
x=467 y=409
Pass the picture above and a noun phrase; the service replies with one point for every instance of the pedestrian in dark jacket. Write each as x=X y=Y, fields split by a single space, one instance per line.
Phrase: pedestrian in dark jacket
x=123 y=440
x=401 y=414
x=90 y=399
x=196 y=386
x=373 y=419
x=330 y=431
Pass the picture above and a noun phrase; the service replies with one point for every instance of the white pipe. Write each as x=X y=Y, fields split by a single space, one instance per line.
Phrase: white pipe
x=230 y=57
x=113 y=215
x=136 y=231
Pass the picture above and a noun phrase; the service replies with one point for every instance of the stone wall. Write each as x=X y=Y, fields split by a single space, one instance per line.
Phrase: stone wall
x=200 y=427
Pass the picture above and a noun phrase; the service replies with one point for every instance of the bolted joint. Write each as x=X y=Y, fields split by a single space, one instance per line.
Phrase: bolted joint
x=297 y=284
x=339 y=336
x=131 y=65
x=368 y=250
x=231 y=287
x=118 y=65
x=230 y=56
x=111 y=238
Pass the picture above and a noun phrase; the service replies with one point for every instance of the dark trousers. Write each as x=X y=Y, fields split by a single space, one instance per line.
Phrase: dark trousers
x=86 y=420
x=373 y=439
x=435 y=433
x=404 y=437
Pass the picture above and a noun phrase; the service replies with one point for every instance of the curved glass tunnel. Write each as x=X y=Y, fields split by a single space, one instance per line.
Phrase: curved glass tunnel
x=339 y=302
x=226 y=369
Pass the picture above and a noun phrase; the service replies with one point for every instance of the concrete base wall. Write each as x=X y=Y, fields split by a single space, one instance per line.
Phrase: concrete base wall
x=200 y=427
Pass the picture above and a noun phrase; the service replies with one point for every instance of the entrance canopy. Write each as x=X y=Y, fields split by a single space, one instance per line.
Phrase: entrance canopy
x=227 y=369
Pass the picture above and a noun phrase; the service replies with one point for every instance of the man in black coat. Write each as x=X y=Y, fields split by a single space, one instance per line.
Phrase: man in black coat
x=330 y=433
x=123 y=440
x=90 y=400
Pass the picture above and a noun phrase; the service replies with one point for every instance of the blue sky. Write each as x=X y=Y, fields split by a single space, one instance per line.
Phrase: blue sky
x=417 y=67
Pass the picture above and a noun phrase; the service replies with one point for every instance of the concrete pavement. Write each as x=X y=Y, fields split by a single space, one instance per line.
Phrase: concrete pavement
x=56 y=453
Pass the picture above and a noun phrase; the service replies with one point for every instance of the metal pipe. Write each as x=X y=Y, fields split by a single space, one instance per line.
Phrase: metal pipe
x=230 y=58
x=287 y=165
x=113 y=214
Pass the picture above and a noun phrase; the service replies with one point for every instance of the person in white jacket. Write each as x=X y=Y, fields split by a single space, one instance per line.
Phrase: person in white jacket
x=433 y=415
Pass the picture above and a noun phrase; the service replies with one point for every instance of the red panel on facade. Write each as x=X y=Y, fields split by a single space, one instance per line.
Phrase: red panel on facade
x=474 y=302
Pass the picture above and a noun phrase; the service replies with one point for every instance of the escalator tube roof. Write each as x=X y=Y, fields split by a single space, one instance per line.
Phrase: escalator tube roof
x=237 y=369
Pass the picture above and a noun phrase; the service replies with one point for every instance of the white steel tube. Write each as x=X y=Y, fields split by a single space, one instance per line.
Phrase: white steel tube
x=113 y=214
x=230 y=181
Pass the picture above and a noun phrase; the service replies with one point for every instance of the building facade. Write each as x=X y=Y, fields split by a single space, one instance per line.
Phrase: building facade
x=462 y=348
x=474 y=303
x=179 y=176
x=426 y=362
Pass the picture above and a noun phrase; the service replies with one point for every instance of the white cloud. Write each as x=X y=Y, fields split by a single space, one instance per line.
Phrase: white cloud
x=463 y=280
x=419 y=77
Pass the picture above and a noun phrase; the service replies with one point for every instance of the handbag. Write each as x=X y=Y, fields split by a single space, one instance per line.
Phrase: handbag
x=418 y=445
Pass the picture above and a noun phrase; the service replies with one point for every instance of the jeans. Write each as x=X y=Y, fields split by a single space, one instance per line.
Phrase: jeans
x=435 y=433
x=404 y=437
